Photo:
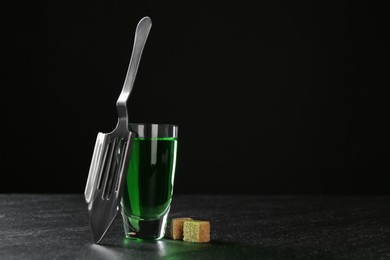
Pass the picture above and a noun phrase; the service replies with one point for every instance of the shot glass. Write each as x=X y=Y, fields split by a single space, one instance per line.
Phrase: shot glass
x=149 y=182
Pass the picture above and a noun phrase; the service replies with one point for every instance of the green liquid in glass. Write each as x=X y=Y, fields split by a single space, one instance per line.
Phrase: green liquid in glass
x=149 y=183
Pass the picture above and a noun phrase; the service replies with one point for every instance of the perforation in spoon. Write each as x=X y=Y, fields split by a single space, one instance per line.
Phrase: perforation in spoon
x=103 y=166
x=120 y=168
x=111 y=168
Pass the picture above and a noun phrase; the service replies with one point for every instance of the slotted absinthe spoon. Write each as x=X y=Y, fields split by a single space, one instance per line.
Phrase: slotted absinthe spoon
x=112 y=151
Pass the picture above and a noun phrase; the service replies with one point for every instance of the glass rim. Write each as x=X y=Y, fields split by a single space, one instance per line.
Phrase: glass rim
x=150 y=124
x=151 y=130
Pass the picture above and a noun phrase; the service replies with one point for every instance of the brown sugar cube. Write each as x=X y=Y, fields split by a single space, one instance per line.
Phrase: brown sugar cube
x=197 y=231
x=177 y=228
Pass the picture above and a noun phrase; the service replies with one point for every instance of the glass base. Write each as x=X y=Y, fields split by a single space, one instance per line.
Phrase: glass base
x=138 y=228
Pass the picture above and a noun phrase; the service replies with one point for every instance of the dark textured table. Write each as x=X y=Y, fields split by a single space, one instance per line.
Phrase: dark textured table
x=242 y=227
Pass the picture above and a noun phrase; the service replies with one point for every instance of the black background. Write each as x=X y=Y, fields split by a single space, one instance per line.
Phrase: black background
x=277 y=97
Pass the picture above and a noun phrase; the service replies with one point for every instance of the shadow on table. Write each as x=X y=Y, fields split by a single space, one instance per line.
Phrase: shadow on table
x=172 y=249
